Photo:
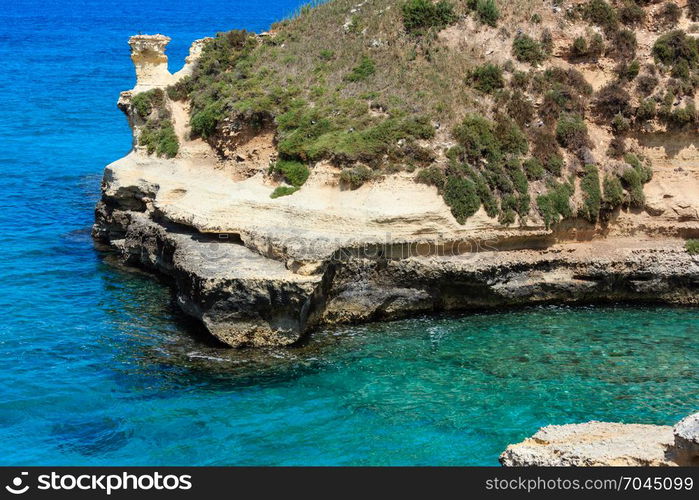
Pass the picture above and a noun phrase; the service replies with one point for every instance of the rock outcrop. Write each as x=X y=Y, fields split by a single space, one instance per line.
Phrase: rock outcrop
x=150 y=61
x=608 y=444
x=260 y=271
x=687 y=440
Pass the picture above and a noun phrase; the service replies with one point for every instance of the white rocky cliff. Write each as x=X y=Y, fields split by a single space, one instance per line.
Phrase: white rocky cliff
x=260 y=271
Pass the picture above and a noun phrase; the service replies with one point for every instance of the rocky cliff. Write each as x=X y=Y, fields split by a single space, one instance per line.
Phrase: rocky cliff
x=258 y=268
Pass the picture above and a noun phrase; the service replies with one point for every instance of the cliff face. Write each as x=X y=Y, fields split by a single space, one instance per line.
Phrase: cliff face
x=260 y=270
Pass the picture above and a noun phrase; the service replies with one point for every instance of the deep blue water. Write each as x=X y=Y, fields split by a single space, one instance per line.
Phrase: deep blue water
x=98 y=367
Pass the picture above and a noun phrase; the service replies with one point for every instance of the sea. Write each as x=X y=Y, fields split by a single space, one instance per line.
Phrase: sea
x=98 y=366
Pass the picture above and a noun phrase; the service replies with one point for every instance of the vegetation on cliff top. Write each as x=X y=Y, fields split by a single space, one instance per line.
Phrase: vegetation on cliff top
x=388 y=85
x=157 y=134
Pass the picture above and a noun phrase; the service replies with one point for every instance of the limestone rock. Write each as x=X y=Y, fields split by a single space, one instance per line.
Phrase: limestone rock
x=593 y=444
x=687 y=440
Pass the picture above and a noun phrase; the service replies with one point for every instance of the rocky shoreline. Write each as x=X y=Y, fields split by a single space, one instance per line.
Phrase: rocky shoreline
x=247 y=299
x=608 y=444
x=258 y=271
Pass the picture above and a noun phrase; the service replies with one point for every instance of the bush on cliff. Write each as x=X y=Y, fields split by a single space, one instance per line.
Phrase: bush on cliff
x=676 y=46
x=356 y=177
x=294 y=172
x=476 y=137
x=571 y=132
x=422 y=15
x=461 y=196
x=145 y=102
x=487 y=12
x=692 y=247
x=602 y=14
x=592 y=195
x=159 y=137
x=526 y=49
x=555 y=203
x=362 y=71
x=613 y=192
x=280 y=191
x=487 y=78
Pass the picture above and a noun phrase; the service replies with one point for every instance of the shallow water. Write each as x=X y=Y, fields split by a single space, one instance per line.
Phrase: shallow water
x=99 y=368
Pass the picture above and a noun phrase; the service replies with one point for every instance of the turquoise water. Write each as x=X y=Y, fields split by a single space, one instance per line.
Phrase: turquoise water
x=100 y=368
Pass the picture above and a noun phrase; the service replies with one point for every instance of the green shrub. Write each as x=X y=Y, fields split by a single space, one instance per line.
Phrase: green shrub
x=683 y=116
x=520 y=80
x=620 y=124
x=624 y=44
x=602 y=14
x=669 y=14
x=571 y=132
x=507 y=213
x=487 y=78
x=204 y=123
x=294 y=172
x=355 y=177
x=283 y=191
x=633 y=184
x=595 y=48
x=592 y=195
x=526 y=49
x=511 y=139
x=631 y=14
x=674 y=47
x=421 y=15
x=544 y=144
x=583 y=49
x=145 y=102
x=617 y=147
x=485 y=194
x=362 y=71
x=627 y=71
x=692 y=247
x=461 y=196
x=432 y=176
x=475 y=135
x=180 y=90
x=520 y=108
x=612 y=100
x=534 y=169
x=555 y=203
x=579 y=48
x=327 y=54
x=613 y=192
x=645 y=84
x=645 y=110
x=554 y=164
x=159 y=137
x=487 y=12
